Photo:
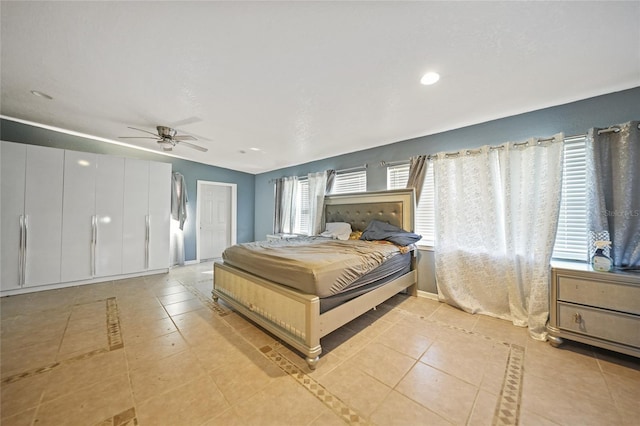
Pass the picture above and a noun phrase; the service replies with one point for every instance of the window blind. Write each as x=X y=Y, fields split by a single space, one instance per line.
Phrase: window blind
x=424 y=221
x=302 y=212
x=397 y=176
x=571 y=236
x=350 y=182
x=426 y=212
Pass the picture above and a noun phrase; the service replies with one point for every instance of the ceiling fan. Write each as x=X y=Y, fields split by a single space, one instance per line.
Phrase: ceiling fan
x=167 y=138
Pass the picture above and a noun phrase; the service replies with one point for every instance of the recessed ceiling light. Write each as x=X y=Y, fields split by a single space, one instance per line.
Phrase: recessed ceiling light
x=430 y=78
x=41 y=94
x=254 y=149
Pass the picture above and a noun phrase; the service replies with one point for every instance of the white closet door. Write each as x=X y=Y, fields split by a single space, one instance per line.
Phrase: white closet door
x=109 y=210
x=159 y=214
x=78 y=207
x=43 y=212
x=136 y=211
x=13 y=157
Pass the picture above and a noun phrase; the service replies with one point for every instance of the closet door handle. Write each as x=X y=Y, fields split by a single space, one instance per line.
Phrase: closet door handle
x=147 y=220
x=93 y=245
x=21 y=252
x=24 y=248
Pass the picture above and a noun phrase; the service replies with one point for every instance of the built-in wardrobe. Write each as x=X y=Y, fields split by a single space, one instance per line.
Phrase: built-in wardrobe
x=71 y=217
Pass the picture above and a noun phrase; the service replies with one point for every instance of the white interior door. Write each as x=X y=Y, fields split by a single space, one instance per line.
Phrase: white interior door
x=13 y=158
x=159 y=214
x=216 y=218
x=109 y=211
x=79 y=206
x=43 y=214
x=135 y=215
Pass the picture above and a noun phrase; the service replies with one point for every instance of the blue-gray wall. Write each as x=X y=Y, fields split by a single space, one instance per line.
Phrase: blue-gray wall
x=573 y=118
x=18 y=132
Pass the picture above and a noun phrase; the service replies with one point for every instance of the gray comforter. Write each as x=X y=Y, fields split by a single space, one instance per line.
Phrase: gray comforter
x=313 y=265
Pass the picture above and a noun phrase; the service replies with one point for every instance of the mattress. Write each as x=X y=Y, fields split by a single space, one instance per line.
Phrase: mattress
x=393 y=268
x=313 y=265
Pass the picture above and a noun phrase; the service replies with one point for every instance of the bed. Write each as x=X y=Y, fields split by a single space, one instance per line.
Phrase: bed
x=298 y=317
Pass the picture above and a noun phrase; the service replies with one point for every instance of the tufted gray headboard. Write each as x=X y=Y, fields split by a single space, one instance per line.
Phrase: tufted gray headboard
x=395 y=207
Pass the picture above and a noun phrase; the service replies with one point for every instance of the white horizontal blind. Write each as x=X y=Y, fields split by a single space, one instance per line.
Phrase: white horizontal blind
x=426 y=211
x=424 y=221
x=571 y=236
x=397 y=176
x=350 y=182
x=302 y=210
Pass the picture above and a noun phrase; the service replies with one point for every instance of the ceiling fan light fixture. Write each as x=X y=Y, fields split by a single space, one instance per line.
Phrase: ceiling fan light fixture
x=167 y=138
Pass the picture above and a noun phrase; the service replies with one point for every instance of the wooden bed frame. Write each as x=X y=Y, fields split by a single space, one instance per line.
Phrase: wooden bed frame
x=294 y=316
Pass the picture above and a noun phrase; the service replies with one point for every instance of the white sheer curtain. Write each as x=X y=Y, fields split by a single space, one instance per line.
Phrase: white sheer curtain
x=317 y=188
x=496 y=217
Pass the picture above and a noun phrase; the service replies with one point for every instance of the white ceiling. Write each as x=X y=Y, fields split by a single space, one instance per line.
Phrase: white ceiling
x=303 y=81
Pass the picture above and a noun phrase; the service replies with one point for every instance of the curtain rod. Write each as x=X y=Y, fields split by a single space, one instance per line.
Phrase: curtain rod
x=351 y=169
x=393 y=163
x=612 y=129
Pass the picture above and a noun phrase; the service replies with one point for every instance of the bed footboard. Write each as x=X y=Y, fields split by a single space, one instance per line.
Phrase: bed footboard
x=290 y=315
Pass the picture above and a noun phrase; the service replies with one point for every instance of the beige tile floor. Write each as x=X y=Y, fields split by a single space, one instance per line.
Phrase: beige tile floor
x=157 y=351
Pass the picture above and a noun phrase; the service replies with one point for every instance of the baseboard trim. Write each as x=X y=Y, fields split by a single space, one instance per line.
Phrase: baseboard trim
x=55 y=286
x=428 y=295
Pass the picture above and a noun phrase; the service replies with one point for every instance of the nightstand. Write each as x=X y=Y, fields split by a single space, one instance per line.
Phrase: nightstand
x=598 y=308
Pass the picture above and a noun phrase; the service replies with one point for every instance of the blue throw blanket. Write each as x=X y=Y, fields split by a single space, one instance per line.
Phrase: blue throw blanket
x=377 y=230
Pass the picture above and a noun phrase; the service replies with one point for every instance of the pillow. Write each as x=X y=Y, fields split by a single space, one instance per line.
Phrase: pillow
x=377 y=230
x=337 y=230
x=355 y=235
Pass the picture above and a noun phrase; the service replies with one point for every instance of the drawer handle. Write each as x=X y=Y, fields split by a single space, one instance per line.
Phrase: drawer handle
x=577 y=318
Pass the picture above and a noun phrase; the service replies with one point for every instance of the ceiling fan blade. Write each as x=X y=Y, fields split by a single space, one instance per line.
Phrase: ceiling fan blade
x=190 y=145
x=140 y=130
x=136 y=137
x=184 y=138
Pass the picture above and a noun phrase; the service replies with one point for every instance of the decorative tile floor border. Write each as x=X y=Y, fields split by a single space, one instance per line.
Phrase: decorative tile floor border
x=126 y=418
x=207 y=301
x=113 y=325
x=115 y=342
x=508 y=407
x=346 y=413
x=316 y=389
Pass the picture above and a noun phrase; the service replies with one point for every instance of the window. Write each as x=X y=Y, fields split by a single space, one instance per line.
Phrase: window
x=424 y=221
x=350 y=182
x=397 y=176
x=302 y=208
x=345 y=182
x=571 y=236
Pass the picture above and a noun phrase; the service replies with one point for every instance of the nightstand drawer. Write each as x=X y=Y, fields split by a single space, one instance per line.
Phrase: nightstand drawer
x=612 y=326
x=602 y=294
